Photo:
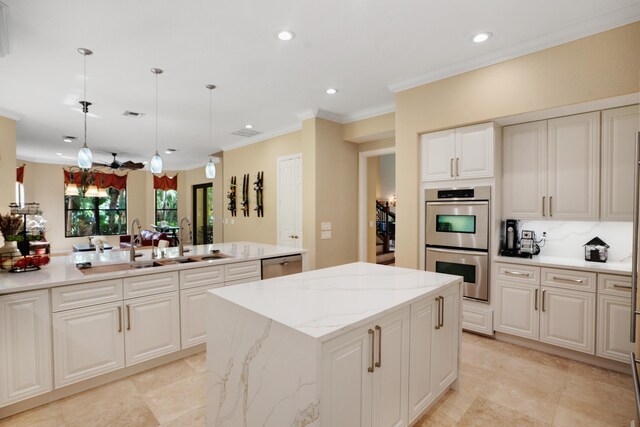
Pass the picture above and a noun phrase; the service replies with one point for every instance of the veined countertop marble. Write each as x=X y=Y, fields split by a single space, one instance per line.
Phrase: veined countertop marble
x=324 y=303
x=62 y=270
x=570 y=263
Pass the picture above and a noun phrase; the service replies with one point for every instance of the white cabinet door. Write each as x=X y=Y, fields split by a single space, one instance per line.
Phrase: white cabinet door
x=438 y=156
x=391 y=375
x=524 y=166
x=619 y=129
x=613 y=328
x=517 y=309
x=152 y=327
x=474 y=151
x=444 y=350
x=346 y=380
x=567 y=319
x=423 y=322
x=574 y=167
x=25 y=346
x=87 y=342
x=193 y=311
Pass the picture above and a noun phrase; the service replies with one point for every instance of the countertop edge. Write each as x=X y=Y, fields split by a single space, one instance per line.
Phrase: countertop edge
x=596 y=268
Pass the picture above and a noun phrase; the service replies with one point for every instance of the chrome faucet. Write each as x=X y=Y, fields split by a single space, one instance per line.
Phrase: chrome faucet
x=180 y=243
x=132 y=248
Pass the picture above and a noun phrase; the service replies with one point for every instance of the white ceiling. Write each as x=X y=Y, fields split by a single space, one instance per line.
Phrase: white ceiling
x=365 y=48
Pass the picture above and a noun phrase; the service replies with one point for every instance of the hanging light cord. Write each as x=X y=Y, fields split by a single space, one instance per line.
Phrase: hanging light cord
x=156 y=113
x=85 y=107
x=211 y=117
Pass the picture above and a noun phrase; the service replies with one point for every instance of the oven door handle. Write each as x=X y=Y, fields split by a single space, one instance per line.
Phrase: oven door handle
x=459 y=203
x=456 y=251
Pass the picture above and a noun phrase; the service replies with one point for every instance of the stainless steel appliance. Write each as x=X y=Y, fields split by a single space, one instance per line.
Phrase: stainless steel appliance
x=281 y=266
x=457 y=236
x=510 y=245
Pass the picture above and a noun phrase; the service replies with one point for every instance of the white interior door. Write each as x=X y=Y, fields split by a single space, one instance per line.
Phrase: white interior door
x=290 y=201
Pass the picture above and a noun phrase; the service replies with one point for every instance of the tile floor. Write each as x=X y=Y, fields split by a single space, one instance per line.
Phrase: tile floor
x=501 y=384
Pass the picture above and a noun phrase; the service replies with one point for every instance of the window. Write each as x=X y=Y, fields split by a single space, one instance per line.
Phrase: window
x=91 y=216
x=20 y=194
x=167 y=207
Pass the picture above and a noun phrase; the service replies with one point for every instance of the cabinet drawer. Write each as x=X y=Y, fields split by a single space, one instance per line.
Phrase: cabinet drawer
x=201 y=277
x=86 y=294
x=242 y=270
x=241 y=281
x=569 y=279
x=614 y=285
x=477 y=320
x=150 y=284
x=518 y=273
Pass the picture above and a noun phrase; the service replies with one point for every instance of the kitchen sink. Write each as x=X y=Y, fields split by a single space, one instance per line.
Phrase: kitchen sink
x=137 y=265
x=196 y=258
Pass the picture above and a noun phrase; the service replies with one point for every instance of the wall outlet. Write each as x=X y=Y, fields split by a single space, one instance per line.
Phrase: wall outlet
x=325 y=226
x=325 y=235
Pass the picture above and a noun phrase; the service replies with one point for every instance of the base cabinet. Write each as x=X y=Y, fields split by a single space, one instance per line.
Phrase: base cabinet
x=25 y=346
x=193 y=313
x=517 y=311
x=434 y=344
x=567 y=319
x=88 y=342
x=613 y=328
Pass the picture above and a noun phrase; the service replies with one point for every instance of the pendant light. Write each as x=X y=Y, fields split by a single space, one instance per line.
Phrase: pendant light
x=156 y=160
x=85 y=158
x=72 y=188
x=210 y=168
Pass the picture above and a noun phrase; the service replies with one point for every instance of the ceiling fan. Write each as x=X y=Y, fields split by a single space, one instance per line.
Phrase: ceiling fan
x=118 y=165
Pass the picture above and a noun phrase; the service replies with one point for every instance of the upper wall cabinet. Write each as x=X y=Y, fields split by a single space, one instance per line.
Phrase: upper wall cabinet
x=619 y=128
x=552 y=169
x=462 y=153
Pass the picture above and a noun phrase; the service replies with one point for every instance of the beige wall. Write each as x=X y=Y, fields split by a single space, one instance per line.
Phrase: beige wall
x=7 y=163
x=336 y=195
x=252 y=159
x=596 y=67
x=373 y=128
x=309 y=177
x=376 y=145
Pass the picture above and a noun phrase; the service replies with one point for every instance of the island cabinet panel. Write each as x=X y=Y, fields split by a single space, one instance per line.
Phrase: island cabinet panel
x=150 y=284
x=366 y=374
x=87 y=342
x=198 y=277
x=435 y=329
x=25 y=346
x=242 y=270
x=193 y=312
x=152 y=327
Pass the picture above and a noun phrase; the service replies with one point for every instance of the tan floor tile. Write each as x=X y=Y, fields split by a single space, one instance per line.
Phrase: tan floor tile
x=193 y=418
x=526 y=400
x=48 y=415
x=484 y=413
x=198 y=362
x=161 y=376
x=598 y=399
x=117 y=403
x=578 y=414
x=178 y=398
x=599 y=374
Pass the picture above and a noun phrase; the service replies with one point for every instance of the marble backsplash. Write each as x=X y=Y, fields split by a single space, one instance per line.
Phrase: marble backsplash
x=565 y=238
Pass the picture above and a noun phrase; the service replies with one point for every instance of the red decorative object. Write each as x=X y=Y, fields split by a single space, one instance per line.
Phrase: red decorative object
x=165 y=183
x=104 y=180
x=20 y=174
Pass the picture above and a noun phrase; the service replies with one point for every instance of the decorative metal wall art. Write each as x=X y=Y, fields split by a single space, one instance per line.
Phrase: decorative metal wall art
x=257 y=185
x=245 y=195
x=231 y=195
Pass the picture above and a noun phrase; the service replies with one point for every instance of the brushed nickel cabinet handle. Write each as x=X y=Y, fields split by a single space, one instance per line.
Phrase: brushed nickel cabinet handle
x=616 y=285
x=442 y=312
x=119 y=318
x=550 y=205
x=371 y=337
x=457 y=166
x=451 y=167
x=543 y=291
x=535 y=300
x=379 y=362
x=128 y=318
x=438 y=318
x=562 y=279
x=543 y=210
x=516 y=273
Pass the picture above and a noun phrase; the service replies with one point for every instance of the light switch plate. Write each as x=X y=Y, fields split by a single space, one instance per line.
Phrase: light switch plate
x=325 y=235
x=325 y=226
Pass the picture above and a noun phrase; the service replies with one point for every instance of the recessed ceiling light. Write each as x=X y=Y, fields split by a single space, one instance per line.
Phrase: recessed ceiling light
x=58 y=154
x=248 y=126
x=170 y=150
x=481 y=37
x=332 y=91
x=69 y=138
x=285 y=35
x=145 y=163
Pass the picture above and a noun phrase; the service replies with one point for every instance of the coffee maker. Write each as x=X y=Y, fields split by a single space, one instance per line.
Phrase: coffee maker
x=510 y=246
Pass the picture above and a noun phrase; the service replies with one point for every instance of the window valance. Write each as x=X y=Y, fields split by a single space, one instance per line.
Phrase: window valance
x=165 y=182
x=101 y=179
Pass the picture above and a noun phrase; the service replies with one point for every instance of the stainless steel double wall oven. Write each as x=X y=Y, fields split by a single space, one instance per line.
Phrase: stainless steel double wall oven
x=457 y=236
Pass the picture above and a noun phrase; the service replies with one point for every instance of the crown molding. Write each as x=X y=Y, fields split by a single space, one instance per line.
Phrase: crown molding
x=319 y=113
x=5 y=112
x=262 y=137
x=368 y=113
x=607 y=21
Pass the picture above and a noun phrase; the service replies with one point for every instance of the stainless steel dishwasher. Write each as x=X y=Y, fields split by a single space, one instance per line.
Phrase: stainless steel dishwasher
x=281 y=266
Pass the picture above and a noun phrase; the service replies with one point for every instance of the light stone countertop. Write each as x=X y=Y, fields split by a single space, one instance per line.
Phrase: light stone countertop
x=62 y=270
x=324 y=303
x=623 y=268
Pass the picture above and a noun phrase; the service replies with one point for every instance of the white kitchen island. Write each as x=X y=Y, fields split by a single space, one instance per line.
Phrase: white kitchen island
x=354 y=345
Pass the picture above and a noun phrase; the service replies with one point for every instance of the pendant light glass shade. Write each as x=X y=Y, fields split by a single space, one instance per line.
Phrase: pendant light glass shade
x=92 y=191
x=156 y=163
x=71 y=190
x=210 y=169
x=85 y=158
x=102 y=192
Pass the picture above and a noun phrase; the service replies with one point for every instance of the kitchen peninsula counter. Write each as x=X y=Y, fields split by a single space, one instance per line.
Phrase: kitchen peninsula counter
x=62 y=269
x=278 y=347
